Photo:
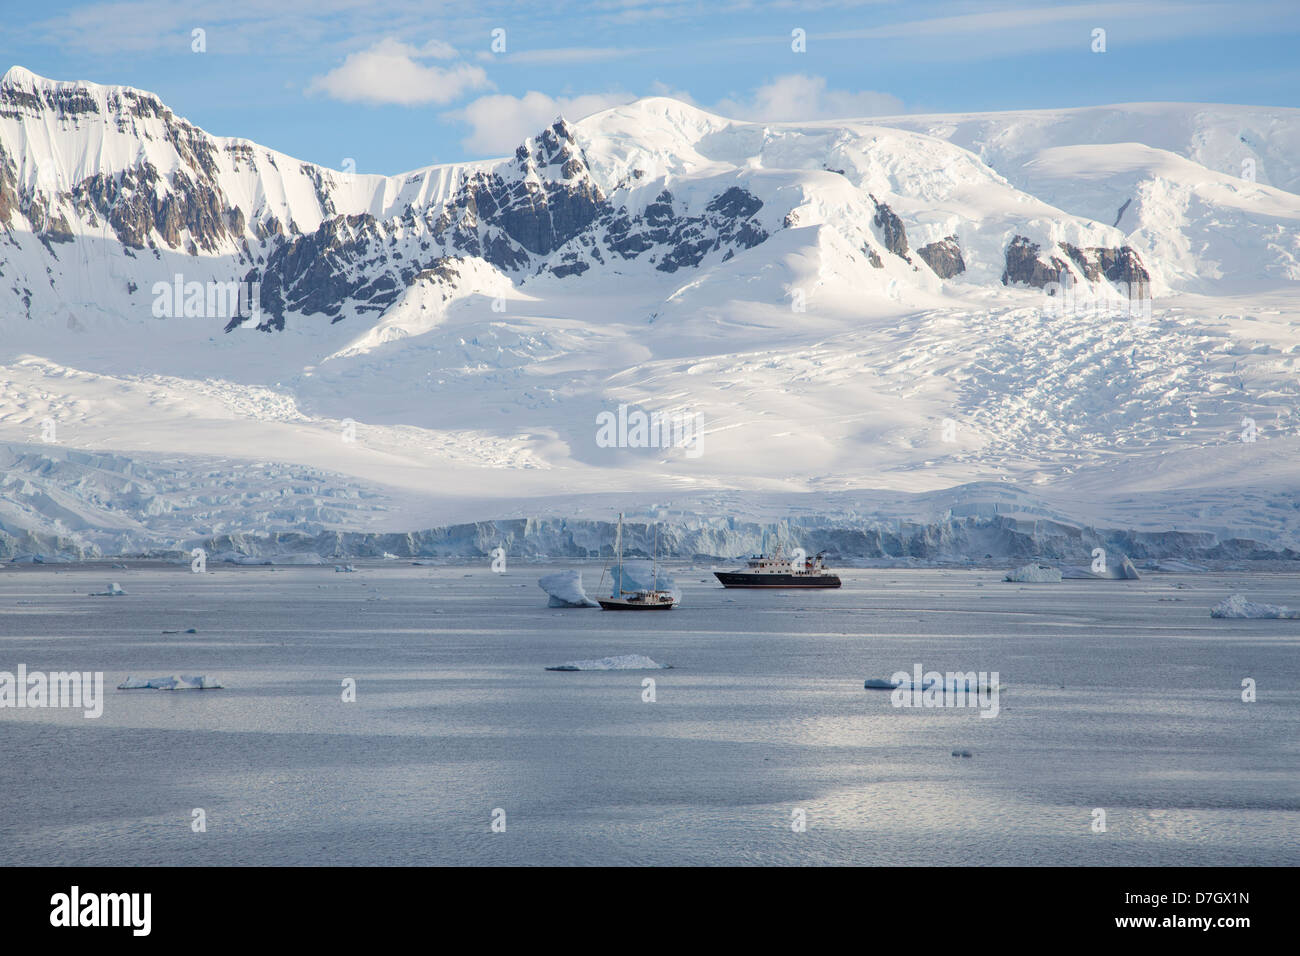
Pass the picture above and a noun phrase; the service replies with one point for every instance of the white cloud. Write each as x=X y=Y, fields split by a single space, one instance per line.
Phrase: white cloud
x=660 y=88
x=500 y=122
x=391 y=72
x=797 y=96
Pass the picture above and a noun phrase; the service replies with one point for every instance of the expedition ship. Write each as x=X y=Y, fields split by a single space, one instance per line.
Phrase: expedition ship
x=775 y=571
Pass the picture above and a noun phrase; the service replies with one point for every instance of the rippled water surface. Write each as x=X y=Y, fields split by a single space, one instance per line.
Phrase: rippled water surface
x=1120 y=696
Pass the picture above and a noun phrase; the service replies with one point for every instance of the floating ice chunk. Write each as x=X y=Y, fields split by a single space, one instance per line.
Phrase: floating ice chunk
x=1237 y=606
x=198 y=682
x=1123 y=571
x=344 y=569
x=1034 y=574
x=876 y=683
x=624 y=662
x=565 y=590
x=114 y=590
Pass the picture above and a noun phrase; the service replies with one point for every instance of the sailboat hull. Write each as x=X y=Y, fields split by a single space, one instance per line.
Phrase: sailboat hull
x=614 y=605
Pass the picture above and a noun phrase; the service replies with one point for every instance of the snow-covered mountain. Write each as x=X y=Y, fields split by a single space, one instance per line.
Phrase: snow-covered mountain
x=1089 y=302
x=656 y=185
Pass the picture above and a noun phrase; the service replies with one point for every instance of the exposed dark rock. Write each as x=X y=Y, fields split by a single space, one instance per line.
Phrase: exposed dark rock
x=736 y=203
x=727 y=223
x=1114 y=265
x=944 y=257
x=891 y=230
x=319 y=180
x=8 y=187
x=1120 y=215
x=1023 y=266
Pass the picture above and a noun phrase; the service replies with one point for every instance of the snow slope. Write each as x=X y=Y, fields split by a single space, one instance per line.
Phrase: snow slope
x=852 y=310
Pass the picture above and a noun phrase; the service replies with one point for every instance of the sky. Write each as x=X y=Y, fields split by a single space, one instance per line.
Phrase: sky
x=385 y=86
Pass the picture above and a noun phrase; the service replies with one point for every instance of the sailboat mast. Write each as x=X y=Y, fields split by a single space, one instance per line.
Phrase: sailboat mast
x=654 y=566
x=619 y=543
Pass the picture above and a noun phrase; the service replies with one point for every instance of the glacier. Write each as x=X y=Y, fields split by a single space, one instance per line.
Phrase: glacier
x=867 y=315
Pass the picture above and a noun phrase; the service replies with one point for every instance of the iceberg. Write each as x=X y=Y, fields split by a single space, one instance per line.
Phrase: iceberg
x=1124 y=571
x=1237 y=606
x=1034 y=574
x=565 y=590
x=114 y=590
x=641 y=576
x=624 y=662
x=199 y=682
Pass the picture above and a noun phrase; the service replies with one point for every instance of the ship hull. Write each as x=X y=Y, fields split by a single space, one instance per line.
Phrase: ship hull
x=624 y=606
x=743 y=579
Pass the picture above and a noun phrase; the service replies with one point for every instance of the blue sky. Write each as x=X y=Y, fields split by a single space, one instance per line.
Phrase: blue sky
x=393 y=85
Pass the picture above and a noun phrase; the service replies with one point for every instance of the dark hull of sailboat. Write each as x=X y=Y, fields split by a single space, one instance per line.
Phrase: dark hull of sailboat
x=744 y=579
x=612 y=605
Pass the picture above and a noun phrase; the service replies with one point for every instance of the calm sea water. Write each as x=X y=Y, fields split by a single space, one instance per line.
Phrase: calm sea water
x=1118 y=696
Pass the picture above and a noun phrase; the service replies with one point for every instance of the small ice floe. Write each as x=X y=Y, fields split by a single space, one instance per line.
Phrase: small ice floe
x=198 y=682
x=426 y=564
x=876 y=683
x=953 y=682
x=961 y=753
x=565 y=590
x=344 y=569
x=114 y=590
x=188 y=630
x=1034 y=574
x=624 y=662
x=1238 y=607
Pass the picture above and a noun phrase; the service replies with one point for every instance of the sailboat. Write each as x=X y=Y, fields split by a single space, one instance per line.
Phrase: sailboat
x=644 y=599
